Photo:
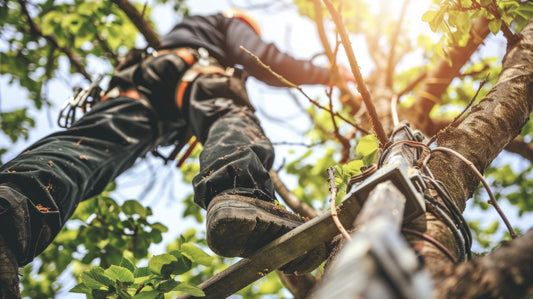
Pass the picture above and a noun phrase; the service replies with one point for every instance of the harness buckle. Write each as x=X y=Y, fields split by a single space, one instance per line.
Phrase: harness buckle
x=83 y=98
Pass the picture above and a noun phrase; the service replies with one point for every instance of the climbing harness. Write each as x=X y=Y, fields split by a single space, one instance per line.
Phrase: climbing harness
x=83 y=98
x=198 y=62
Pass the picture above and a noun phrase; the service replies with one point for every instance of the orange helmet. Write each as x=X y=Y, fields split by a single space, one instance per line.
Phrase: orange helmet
x=244 y=16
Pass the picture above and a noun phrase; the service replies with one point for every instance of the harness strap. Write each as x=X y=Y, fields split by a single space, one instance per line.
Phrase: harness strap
x=184 y=53
x=198 y=63
x=115 y=92
x=190 y=75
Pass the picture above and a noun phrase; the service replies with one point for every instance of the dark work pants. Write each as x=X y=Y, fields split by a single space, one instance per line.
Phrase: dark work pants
x=41 y=188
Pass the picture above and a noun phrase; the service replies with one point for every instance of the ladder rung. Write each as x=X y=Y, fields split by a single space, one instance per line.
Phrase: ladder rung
x=279 y=252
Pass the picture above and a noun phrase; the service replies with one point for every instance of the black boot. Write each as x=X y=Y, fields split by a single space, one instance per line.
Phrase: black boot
x=9 y=281
x=239 y=226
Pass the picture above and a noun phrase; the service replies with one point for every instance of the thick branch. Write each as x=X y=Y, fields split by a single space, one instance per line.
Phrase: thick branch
x=480 y=137
x=140 y=22
x=505 y=273
x=53 y=42
x=299 y=285
x=290 y=199
x=492 y=124
x=520 y=147
x=441 y=75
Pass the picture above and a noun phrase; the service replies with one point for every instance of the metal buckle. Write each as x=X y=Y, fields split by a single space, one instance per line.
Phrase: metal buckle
x=82 y=98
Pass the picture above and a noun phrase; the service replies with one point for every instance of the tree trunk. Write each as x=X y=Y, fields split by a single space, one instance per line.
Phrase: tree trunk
x=505 y=273
x=480 y=137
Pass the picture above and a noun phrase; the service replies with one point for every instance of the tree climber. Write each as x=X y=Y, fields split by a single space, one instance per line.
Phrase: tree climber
x=192 y=85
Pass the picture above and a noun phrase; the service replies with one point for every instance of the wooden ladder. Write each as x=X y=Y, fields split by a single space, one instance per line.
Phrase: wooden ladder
x=279 y=252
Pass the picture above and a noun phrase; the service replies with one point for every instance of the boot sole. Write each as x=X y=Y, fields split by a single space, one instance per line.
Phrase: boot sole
x=239 y=226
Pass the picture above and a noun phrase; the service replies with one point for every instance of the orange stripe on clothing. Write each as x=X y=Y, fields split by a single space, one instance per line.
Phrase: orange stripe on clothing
x=181 y=91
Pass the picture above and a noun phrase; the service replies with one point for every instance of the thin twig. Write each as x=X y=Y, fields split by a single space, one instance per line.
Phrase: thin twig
x=290 y=198
x=507 y=33
x=436 y=136
x=345 y=153
x=367 y=99
x=394 y=41
x=334 y=189
x=140 y=22
x=107 y=49
x=413 y=84
x=53 y=42
x=290 y=84
x=492 y=200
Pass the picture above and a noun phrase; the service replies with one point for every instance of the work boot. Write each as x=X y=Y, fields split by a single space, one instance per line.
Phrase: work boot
x=9 y=281
x=239 y=226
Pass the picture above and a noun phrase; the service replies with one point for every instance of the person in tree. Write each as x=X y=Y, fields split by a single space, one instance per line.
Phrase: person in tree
x=194 y=84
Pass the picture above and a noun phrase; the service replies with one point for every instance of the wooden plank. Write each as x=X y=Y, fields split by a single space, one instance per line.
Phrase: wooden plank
x=279 y=252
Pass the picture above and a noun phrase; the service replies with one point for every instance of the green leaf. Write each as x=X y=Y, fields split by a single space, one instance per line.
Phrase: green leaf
x=89 y=281
x=167 y=285
x=182 y=265
x=146 y=295
x=81 y=288
x=88 y=8
x=100 y=294
x=466 y=3
x=126 y=263
x=16 y=123
x=98 y=274
x=142 y=272
x=196 y=254
x=132 y=207
x=485 y=3
x=190 y=289
x=71 y=23
x=51 y=22
x=352 y=168
x=119 y=273
x=160 y=227
x=158 y=261
x=123 y=294
x=434 y=19
x=495 y=26
x=367 y=146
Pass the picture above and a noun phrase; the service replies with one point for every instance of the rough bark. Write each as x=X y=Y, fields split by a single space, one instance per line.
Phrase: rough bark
x=492 y=124
x=505 y=273
x=480 y=137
